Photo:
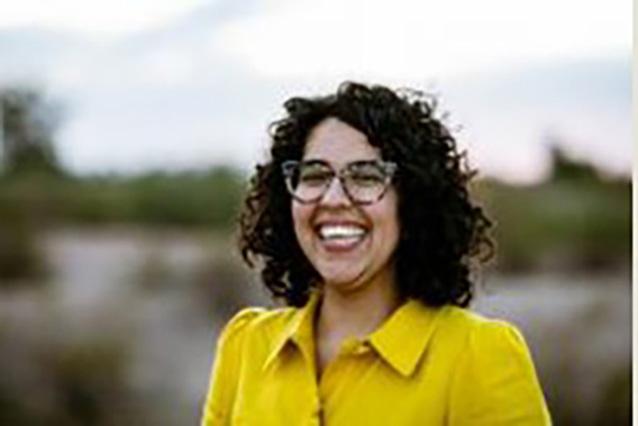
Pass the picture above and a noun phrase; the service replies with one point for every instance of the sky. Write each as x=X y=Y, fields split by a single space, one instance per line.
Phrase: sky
x=172 y=85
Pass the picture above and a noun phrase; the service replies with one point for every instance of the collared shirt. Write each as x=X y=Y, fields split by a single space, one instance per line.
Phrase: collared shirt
x=422 y=366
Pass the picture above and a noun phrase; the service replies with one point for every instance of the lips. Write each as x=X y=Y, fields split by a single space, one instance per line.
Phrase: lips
x=331 y=232
x=340 y=236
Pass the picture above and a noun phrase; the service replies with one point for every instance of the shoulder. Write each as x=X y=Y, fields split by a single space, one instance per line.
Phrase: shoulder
x=475 y=329
x=486 y=343
x=255 y=319
x=493 y=369
x=233 y=345
x=238 y=323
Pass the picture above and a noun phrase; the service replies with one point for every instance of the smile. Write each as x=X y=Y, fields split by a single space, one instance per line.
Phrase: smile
x=341 y=237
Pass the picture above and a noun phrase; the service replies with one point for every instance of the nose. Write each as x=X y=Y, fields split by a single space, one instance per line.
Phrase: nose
x=335 y=194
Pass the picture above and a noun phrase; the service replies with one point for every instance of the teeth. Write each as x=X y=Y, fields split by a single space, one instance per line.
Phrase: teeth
x=340 y=231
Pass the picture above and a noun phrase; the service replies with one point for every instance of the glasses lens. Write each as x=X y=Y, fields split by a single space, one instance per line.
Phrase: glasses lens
x=308 y=181
x=366 y=181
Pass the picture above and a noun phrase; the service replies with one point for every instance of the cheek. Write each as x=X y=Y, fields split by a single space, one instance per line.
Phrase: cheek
x=387 y=217
x=391 y=234
x=300 y=219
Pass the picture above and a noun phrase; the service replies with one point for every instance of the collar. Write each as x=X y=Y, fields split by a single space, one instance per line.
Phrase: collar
x=401 y=340
x=299 y=330
x=403 y=337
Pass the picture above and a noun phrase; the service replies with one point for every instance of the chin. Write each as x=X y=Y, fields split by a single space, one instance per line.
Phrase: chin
x=339 y=279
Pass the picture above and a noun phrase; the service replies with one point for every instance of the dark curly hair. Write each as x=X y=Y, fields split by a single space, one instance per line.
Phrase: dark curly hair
x=441 y=229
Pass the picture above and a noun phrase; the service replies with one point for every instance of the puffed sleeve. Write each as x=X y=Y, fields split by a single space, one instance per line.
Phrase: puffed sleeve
x=495 y=381
x=223 y=379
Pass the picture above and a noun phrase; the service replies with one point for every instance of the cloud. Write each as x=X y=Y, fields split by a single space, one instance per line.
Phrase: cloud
x=200 y=89
x=509 y=116
x=95 y=18
x=417 y=39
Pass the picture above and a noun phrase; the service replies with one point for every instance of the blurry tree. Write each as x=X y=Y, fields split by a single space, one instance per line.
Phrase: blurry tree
x=565 y=168
x=578 y=218
x=27 y=125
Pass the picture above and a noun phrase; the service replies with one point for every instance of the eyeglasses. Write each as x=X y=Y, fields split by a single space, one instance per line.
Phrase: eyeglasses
x=364 y=182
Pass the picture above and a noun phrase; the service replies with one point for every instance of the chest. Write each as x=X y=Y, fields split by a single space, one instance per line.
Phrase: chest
x=355 y=388
x=327 y=350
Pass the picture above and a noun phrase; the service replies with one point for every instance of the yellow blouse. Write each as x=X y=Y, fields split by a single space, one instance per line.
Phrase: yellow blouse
x=422 y=366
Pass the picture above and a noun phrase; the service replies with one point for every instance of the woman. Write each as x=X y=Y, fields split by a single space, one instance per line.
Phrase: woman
x=362 y=223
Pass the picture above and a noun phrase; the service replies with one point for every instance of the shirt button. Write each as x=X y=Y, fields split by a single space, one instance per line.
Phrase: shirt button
x=362 y=348
x=318 y=416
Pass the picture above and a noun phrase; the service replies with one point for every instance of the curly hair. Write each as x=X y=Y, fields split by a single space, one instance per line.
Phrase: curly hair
x=441 y=229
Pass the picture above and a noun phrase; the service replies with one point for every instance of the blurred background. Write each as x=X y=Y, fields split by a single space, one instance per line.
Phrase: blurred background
x=128 y=130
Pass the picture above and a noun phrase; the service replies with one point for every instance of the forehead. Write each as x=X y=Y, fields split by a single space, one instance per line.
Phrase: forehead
x=338 y=143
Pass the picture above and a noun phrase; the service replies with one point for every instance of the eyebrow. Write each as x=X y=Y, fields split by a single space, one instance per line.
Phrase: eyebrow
x=322 y=160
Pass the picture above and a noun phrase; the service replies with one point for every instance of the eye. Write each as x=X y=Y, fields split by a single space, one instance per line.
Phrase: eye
x=366 y=174
x=314 y=174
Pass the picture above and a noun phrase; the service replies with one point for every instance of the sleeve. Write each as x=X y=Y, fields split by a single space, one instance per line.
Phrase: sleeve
x=495 y=381
x=224 y=375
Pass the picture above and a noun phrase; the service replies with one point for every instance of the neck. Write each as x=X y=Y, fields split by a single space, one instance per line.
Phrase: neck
x=356 y=313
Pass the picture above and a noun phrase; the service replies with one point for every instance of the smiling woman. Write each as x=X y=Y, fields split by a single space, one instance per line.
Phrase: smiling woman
x=347 y=242
x=363 y=225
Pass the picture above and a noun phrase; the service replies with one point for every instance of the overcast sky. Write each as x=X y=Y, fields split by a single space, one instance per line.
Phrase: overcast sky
x=177 y=84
